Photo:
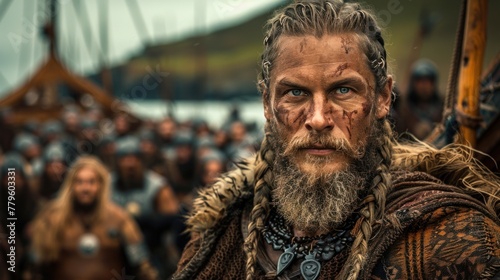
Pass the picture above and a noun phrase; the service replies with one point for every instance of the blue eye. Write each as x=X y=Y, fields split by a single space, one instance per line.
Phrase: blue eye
x=343 y=90
x=296 y=92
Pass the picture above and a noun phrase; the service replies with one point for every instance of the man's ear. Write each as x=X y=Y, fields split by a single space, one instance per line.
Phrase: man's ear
x=384 y=99
x=266 y=100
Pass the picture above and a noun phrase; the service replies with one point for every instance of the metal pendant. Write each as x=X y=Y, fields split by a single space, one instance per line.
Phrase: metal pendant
x=286 y=258
x=310 y=267
x=88 y=245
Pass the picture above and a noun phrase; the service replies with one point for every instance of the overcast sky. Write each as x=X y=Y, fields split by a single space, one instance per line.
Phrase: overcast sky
x=22 y=48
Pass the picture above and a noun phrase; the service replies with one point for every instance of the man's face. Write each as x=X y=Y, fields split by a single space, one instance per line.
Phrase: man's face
x=166 y=129
x=424 y=87
x=238 y=132
x=55 y=170
x=148 y=147
x=86 y=186
x=130 y=166
x=121 y=124
x=184 y=153
x=322 y=93
x=212 y=171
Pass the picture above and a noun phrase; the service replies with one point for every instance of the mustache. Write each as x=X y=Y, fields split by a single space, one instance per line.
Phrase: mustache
x=324 y=141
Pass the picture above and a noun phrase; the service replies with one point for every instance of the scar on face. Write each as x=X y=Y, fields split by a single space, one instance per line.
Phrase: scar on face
x=346 y=42
x=329 y=114
x=281 y=114
x=348 y=115
x=284 y=116
x=300 y=116
x=340 y=69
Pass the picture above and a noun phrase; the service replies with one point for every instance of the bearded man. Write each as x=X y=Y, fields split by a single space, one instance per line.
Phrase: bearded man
x=83 y=235
x=332 y=194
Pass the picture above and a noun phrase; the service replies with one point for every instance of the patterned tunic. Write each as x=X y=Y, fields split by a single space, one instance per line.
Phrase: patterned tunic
x=444 y=233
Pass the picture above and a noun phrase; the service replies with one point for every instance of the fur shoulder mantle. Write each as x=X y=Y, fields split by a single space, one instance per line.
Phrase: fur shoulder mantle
x=214 y=201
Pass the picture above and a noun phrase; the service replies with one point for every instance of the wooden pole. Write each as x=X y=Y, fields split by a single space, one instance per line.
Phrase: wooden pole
x=470 y=73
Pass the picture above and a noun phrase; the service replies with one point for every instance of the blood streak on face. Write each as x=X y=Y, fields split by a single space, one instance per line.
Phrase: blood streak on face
x=349 y=117
x=319 y=86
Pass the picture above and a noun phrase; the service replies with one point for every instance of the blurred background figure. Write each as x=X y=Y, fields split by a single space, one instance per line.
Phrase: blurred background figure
x=166 y=131
x=152 y=156
x=71 y=126
x=242 y=144
x=122 y=126
x=189 y=92
x=107 y=151
x=8 y=130
x=49 y=179
x=212 y=166
x=82 y=235
x=14 y=183
x=28 y=146
x=181 y=167
x=134 y=186
x=147 y=196
x=52 y=131
x=422 y=105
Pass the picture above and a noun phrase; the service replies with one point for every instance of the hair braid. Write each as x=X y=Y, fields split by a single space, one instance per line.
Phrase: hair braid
x=373 y=207
x=261 y=208
x=319 y=18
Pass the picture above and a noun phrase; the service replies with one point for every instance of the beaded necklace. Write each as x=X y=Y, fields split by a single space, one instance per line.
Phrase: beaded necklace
x=313 y=249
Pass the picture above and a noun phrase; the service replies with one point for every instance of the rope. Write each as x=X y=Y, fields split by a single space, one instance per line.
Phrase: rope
x=451 y=87
x=4 y=7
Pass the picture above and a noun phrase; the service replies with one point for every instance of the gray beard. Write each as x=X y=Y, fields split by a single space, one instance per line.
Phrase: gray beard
x=320 y=202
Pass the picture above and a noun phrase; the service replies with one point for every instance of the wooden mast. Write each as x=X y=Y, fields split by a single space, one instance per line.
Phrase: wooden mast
x=467 y=108
x=44 y=84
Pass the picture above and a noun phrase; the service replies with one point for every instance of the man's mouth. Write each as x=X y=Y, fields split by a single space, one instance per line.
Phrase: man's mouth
x=317 y=150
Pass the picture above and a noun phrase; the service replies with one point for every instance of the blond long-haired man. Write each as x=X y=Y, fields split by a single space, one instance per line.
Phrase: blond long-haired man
x=83 y=235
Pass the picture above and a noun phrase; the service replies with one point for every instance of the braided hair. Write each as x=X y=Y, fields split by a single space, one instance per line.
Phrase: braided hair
x=261 y=205
x=319 y=18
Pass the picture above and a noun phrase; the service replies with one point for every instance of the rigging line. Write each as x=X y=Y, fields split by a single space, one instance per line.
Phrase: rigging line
x=35 y=37
x=93 y=42
x=453 y=75
x=138 y=19
x=65 y=48
x=82 y=32
x=104 y=34
x=25 y=57
x=4 y=7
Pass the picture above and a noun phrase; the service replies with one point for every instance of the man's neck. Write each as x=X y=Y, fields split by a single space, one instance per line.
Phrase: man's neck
x=302 y=233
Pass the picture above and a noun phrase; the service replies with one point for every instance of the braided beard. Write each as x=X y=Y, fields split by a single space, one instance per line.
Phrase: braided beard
x=321 y=201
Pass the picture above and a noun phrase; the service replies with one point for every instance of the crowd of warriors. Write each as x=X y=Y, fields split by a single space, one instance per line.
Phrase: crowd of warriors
x=155 y=169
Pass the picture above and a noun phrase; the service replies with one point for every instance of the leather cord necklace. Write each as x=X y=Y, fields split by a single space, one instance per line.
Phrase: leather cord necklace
x=88 y=244
x=313 y=249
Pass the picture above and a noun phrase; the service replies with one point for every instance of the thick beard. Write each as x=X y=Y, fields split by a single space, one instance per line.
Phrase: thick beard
x=84 y=208
x=131 y=180
x=320 y=201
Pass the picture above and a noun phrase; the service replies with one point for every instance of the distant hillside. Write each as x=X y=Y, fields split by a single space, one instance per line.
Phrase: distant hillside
x=224 y=64
x=221 y=65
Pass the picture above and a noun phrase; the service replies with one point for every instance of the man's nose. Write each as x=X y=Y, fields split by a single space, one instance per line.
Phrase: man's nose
x=320 y=118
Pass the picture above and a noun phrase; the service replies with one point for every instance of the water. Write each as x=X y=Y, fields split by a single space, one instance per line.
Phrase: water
x=214 y=112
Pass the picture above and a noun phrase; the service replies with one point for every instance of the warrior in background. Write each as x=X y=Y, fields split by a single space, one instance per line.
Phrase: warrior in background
x=83 y=235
